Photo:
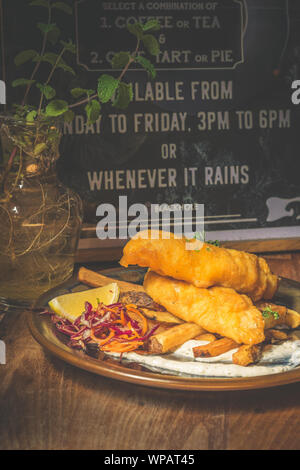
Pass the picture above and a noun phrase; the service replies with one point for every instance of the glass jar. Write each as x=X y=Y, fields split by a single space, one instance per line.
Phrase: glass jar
x=40 y=219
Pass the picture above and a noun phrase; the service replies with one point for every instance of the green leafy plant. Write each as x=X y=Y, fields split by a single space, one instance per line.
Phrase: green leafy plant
x=37 y=141
x=39 y=236
x=108 y=89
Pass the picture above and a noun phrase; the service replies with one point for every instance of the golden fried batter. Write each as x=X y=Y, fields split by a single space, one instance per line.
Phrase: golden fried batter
x=217 y=309
x=205 y=267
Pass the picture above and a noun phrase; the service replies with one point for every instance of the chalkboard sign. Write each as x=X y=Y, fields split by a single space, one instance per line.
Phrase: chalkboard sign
x=217 y=126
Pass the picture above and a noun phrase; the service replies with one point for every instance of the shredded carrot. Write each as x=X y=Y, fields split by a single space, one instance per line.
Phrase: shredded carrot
x=113 y=310
x=123 y=343
x=124 y=328
x=129 y=325
x=123 y=336
x=116 y=322
x=121 y=347
x=133 y=308
x=101 y=342
x=123 y=320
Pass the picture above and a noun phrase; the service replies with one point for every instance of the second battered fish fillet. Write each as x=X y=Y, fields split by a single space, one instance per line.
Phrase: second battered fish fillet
x=217 y=309
x=205 y=267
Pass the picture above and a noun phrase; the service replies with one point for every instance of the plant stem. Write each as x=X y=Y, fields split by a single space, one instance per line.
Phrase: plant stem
x=8 y=167
x=132 y=59
x=55 y=65
x=37 y=65
x=85 y=100
x=50 y=76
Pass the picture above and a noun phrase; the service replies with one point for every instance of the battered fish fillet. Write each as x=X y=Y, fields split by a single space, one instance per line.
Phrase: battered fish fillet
x=217 y=309
x=205 y=267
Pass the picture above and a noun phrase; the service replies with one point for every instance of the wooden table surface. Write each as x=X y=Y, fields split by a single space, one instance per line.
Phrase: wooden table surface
x=48 y=404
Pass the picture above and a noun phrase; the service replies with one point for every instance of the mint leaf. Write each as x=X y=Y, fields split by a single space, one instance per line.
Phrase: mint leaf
x=120 y=60
x=93 y=111
x=136 y=29
x=39 y=148
x=49 y=57
x=22 y=82
x=79 y=92
x=56 y=108
x=53 y=35
x=69 y=46
x=151 y=25
x=31 y=116
x=66 y=68
x=21 y=110
x=46 y=28
x=63 y=7
x=69 y=116
x=53 y=59
x=25 y=56
x=147 y=65
x=124 y=95
x=151 y=44
x=90 y=92
x=107 y=86
x=47 y=90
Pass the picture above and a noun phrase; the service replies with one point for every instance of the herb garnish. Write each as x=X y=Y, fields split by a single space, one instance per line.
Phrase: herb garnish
x=200 y=236
x=214 y=242
x=267 y=312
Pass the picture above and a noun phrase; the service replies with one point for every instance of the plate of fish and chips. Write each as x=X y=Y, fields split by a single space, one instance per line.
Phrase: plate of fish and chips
x=203 y=318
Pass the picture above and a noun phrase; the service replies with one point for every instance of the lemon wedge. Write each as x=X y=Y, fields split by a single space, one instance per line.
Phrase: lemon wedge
x=70 y=306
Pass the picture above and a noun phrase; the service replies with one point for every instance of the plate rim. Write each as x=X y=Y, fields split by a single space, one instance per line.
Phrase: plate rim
x=152 y=379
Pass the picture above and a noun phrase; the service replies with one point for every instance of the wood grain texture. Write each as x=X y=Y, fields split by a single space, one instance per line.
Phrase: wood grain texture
x=48 y=404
